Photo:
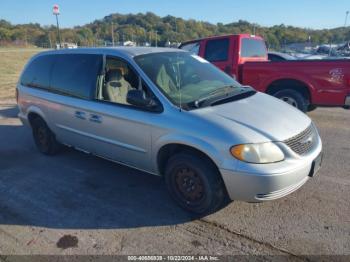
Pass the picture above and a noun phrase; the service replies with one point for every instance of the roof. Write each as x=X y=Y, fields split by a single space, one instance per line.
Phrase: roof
x=130 y=51
x=220 y=36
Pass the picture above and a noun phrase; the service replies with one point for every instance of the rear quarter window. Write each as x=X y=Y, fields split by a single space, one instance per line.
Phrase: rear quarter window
x=37 y=73
x=76 y=74
x=217 y=50
x=253 y=48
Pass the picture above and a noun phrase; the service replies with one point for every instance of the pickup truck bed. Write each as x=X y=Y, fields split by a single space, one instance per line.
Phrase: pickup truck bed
x=323 y=82
x=304 y=84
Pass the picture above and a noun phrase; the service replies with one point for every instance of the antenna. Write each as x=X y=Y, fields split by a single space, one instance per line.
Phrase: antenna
x=180 y=97
x=178 y=79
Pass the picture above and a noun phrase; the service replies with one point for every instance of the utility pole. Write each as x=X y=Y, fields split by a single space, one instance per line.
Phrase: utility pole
x=310 y=40
x=26 y=37
x=156 y=37
x=112 y=32
x=255 y=27
x=56 y=12
x=345 y=23
x=175 y=31
x=50 y=39
x=346 y=18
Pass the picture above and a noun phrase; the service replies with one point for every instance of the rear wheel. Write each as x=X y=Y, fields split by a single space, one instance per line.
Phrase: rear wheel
x=294 y=98
x=195 y=183
x=44 y=138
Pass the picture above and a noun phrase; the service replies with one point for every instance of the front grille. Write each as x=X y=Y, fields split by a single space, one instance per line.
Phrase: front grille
x=304 y=142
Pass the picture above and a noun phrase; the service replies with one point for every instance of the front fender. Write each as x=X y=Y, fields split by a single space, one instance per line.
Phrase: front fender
x=194 y=142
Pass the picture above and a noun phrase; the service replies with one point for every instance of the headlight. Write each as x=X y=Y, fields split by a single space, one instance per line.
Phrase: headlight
x=258 y=153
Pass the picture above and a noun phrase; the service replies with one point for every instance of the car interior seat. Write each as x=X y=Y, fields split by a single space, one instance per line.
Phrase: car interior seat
x=116 y=87
x=164 y=80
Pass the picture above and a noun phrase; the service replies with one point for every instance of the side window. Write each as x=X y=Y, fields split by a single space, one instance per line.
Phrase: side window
x=217 y=50
x=119 y=79
x=37 y=73
x=192 y=48
x=76 y=74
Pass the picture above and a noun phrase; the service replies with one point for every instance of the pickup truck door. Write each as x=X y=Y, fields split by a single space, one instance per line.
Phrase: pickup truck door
x=219 y=51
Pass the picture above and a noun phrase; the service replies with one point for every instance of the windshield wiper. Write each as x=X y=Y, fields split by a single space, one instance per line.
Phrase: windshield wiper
x=232 y=98
x=222 y=93
x=225 y=90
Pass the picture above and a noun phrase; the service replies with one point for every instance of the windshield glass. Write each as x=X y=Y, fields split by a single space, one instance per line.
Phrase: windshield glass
x=185 y=78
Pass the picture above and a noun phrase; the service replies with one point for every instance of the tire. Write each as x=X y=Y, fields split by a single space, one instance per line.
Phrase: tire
x=311 y=108
x=44 y=138
x=195 y=173
x=294 y=98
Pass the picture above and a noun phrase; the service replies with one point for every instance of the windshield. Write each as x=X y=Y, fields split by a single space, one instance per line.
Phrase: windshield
x=186 y=78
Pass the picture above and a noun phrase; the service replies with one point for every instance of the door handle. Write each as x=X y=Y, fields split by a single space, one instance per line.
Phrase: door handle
x=95 y=118
x=80 y=115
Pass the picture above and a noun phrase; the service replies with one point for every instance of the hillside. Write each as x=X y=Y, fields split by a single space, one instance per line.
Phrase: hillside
x=143 y=28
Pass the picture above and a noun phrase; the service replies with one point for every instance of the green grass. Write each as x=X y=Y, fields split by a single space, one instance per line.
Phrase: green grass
x=12 y=61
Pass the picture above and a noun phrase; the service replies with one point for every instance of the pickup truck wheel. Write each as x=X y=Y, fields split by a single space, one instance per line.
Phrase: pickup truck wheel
x=293 y=98
x=195 y=183
x=311 y=108
x=44 y=138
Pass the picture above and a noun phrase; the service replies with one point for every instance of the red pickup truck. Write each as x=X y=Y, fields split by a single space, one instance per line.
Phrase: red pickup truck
x=304 y=84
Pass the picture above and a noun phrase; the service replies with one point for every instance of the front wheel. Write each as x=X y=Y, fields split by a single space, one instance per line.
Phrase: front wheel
x=195 y=183
x=294 y=98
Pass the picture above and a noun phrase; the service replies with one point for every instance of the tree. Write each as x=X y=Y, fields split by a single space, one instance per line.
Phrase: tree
x=142 y=27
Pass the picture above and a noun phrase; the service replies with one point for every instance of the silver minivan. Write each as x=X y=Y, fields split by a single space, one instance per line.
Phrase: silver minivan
x=172 y=114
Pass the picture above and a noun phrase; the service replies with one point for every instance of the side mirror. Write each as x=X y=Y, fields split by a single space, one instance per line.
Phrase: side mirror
x=137 y=98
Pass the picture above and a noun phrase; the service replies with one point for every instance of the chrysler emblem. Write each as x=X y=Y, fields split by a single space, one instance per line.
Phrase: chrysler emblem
x=306 y=141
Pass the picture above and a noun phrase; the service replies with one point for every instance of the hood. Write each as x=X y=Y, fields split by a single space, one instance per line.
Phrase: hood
x=268 y=117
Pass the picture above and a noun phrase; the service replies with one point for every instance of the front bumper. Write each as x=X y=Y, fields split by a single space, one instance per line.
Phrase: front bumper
x=272 y=181
x=258 y=188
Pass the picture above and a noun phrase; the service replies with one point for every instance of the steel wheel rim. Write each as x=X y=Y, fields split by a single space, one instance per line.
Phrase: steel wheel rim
x=290 y=100
x=41 y=135
x=189 y=185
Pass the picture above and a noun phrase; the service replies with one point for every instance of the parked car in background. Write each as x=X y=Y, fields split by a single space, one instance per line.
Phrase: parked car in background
x=303 y=84
x=173 y=114
x=278 y=56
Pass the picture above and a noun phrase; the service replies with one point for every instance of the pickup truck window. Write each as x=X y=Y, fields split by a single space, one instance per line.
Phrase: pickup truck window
x=217 y=50
x=185 y=78
x=37 y=73
x=253 y=48
x=76 y=74
x=191 y=47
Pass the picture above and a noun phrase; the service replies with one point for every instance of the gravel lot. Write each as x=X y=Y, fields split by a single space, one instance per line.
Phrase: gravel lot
x=74 y=203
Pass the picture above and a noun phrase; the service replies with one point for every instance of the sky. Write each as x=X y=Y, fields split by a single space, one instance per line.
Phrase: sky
x=316 y=14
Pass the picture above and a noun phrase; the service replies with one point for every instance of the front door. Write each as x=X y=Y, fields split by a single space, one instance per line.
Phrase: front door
x=121 y=131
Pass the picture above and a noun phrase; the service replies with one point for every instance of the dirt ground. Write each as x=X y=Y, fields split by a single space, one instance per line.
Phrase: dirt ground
x=12 y=61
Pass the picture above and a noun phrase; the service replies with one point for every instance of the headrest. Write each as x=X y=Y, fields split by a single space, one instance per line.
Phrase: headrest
x=114 y=75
